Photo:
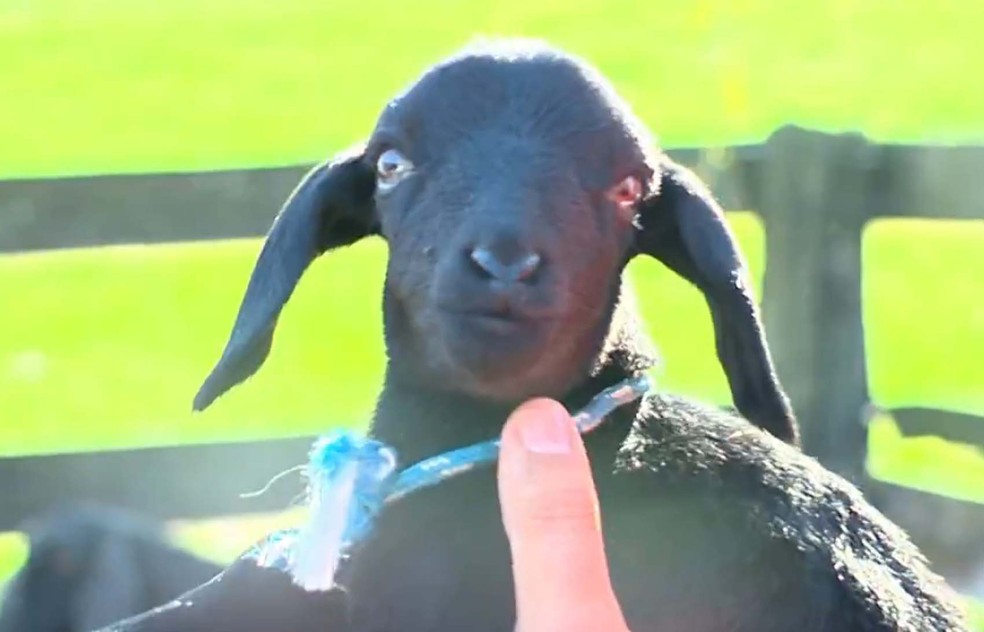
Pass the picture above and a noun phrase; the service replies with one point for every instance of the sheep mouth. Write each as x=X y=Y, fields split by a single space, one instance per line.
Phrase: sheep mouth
x=494 y=342
x=495 y=356
x=501 y=321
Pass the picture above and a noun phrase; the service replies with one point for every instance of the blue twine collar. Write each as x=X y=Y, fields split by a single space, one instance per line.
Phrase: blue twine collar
x=351 y=478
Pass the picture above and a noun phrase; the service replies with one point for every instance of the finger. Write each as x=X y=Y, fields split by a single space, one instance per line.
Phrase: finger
x=550 y=512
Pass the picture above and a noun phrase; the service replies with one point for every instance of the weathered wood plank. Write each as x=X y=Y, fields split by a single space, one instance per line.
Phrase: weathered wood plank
x=206 y=481
x=115 y=209
x=927 y=181
x=175 y=482
x=154 y=208
x=947 y=424
x=814 y=198
x=103 y=210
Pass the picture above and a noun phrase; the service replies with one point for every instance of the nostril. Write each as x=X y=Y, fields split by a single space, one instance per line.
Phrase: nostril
x=486 y=262
x=493 y=267
x=527 y=266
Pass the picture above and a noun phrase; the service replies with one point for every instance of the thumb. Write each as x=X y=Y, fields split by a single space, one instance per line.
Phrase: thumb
x=550 y=512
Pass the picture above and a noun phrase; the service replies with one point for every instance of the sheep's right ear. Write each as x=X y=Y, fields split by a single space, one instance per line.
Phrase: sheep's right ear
x=331 y=207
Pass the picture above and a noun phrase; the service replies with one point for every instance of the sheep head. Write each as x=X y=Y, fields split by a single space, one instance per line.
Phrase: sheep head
x=512 y=186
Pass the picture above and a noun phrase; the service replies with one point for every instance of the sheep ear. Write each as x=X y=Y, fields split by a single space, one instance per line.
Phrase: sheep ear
x=684 y=227
x=331 y=207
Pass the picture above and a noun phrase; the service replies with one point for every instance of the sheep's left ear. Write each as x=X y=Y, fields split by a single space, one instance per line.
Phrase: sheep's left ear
x=682 y=225
x=331 y=207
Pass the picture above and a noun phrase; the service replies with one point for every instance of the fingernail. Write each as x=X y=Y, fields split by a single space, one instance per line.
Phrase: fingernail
x=547 y=431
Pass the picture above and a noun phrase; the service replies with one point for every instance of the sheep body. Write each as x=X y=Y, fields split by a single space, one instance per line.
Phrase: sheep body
x=713 y=522
x=710 y=525
x=90 y=565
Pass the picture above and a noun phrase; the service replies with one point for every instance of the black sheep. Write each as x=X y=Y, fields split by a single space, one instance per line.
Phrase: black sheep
x=91 y=565
x=513 y=186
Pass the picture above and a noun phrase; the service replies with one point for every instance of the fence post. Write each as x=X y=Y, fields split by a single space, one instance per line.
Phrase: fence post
x=814 y=191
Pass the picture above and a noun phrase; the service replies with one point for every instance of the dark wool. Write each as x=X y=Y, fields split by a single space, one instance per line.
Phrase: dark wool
x=504 y=281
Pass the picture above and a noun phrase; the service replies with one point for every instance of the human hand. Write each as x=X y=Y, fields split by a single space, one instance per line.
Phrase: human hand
x=550 y=512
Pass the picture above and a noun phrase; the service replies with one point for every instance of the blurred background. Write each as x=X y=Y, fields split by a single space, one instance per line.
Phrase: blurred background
x=145 y=146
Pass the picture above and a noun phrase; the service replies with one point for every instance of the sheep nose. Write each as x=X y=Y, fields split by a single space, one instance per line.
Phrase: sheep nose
x=515 y=269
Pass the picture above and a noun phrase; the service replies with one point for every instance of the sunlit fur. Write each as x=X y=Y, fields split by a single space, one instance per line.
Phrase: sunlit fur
x=712 y=523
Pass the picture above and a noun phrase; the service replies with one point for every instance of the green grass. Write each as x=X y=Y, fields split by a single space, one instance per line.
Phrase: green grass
x=924 y=314
x=106 y=347
x=924 y=331
x=13 y=553
x=127 y=334
x=926 y=463
x=112 y=86
x=976 y=615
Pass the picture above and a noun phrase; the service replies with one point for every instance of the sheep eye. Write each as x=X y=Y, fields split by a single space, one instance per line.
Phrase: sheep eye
x=626 y=192
x=391 y=167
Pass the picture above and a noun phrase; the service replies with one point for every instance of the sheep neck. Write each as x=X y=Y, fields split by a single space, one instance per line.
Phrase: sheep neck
x=421 y=423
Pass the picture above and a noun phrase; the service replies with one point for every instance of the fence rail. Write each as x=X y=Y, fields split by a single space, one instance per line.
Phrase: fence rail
x=904 y=181
x=945 y=424
x=193 y=481
x=814 y=191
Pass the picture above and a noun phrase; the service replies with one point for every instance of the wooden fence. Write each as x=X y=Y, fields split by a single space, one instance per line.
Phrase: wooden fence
x=815 y=193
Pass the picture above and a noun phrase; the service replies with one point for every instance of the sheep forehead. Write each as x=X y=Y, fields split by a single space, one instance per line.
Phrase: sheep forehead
x=520 y=88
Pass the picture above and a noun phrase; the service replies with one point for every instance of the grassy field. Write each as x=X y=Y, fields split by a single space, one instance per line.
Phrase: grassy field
x=129 y=332
x=157 y=85
x=110 y=85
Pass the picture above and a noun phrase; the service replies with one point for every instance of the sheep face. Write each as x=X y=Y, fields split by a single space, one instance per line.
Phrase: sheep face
x=512 y=186
x=506 y=189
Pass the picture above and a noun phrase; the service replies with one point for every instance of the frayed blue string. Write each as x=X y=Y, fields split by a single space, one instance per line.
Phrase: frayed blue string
x=351 y=478
x=374 y=464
